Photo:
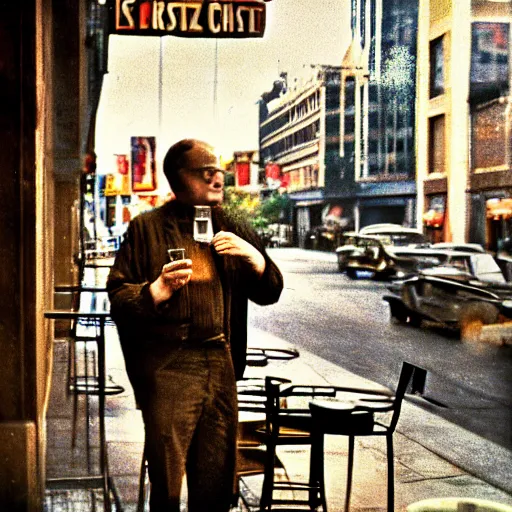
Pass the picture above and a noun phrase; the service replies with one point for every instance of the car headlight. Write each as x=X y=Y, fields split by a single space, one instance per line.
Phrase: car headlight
x=400 y=274
x=507 y=303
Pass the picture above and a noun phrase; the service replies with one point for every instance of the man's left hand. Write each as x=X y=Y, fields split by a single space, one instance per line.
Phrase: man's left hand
x=227 y=243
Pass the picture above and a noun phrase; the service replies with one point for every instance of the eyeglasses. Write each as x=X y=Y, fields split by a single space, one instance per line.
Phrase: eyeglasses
x=207 y=173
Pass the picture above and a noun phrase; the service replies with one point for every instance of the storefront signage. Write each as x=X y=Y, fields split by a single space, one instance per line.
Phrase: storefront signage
x=209 y=19
x=117 y=185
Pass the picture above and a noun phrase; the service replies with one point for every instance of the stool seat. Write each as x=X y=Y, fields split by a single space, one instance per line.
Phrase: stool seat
x=343 y=419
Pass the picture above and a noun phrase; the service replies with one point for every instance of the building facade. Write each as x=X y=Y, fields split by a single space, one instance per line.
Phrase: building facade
x=464 y=121
x=299 y=130
x=53 y=55
x=377 y=142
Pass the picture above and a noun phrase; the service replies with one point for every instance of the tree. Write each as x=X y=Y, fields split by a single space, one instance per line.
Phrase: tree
x=242 y=205
x=259 y=213
x=275 y=208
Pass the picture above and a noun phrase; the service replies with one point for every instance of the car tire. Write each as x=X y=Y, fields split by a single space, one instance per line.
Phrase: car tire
x=398 y=313
x=342 y=265
x=473 y=317
x=352 y=273
x=415 y=320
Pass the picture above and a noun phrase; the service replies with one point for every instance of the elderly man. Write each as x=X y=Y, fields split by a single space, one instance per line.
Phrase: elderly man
x=183 y=330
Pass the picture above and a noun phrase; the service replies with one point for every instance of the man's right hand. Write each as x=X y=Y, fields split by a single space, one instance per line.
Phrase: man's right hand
x=174 y=275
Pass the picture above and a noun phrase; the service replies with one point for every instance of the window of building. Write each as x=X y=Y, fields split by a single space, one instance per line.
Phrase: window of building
x=490 y=59
x=433 y=217
x=349 y=92
x=489 y=135
x=373 y=120
x=436 y=150
x=307 y=176
x=295 y=179
x=436 y=67
x=314 y=176
x=349 y=125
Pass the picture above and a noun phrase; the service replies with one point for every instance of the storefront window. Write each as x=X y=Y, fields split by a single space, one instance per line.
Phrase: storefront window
x=499 y=224
x=433 y=218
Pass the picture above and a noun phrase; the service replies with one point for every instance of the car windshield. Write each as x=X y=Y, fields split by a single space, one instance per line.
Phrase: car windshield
x=400 y=239
x=485 y=268
x=403 y=239
x=460 y=263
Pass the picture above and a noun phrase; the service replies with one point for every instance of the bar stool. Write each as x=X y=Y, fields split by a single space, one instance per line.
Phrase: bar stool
x=102 y=481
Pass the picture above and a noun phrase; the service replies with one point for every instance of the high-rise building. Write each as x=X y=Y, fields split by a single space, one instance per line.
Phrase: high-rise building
x=378 y=87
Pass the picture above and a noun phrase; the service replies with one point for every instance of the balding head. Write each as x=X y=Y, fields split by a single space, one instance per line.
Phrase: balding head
x=187 y=154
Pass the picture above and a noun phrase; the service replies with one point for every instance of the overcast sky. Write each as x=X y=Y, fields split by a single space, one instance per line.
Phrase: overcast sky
x=298 y=33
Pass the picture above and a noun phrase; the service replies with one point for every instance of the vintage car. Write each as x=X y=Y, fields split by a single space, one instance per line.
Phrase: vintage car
x=466 y=293
x=376 y=249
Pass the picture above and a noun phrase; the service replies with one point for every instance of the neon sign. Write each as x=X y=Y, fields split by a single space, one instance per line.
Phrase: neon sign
x=222 y=18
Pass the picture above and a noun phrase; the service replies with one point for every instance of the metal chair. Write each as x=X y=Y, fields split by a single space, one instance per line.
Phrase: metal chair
x=358 y=418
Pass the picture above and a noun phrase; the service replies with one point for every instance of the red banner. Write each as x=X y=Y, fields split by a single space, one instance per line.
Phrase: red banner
x=243 y=173
x=122 y=164
x=285 y=180
x=273 y=171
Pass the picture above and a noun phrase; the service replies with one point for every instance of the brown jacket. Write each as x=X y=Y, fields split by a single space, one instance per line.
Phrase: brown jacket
x=139 y=262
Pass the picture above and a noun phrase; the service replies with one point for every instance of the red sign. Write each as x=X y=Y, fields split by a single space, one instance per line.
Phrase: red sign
x=208 y=18
x=285 y=180
x=273 y=171
x=122 y=164
x=243 y=173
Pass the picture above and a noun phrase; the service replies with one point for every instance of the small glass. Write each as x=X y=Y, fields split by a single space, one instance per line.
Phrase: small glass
x=203 y=228
x=176 y=254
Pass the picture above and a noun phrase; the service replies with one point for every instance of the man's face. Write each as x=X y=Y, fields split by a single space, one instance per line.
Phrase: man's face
x=201 y=178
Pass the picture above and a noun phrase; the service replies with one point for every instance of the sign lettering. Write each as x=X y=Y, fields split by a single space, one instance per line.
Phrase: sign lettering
x=208 y=18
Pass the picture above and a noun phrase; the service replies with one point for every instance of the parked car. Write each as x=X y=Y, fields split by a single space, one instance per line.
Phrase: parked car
x=465 y=293
x=374 y=247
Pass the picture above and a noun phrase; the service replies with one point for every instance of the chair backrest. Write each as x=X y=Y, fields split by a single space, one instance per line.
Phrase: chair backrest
x=273 y=403
x=405 y=378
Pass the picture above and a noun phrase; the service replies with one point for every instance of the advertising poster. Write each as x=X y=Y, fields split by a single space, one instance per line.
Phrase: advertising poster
x=143 y=164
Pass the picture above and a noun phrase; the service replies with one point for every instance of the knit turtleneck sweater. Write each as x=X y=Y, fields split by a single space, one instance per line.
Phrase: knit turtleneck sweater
x=200 y=303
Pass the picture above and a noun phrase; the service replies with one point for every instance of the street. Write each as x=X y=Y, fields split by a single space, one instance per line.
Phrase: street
x=346 y=322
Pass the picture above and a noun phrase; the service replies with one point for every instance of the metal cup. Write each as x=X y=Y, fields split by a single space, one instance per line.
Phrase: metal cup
x=176 y=254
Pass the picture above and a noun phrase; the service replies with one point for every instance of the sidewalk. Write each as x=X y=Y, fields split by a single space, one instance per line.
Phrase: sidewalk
x=419 y=472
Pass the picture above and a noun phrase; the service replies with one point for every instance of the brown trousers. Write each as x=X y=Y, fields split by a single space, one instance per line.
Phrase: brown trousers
x=190 y=416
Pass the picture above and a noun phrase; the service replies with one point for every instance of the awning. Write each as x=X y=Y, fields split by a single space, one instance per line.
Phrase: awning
x=308 y=203
x=499 y=208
